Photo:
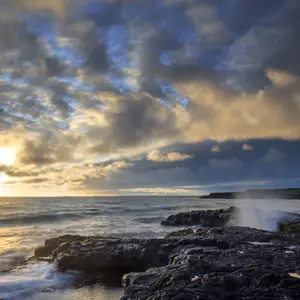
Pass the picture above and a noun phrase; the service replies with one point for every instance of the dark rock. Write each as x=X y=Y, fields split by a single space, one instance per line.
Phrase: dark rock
x=205 y=218
x=224 y=245
x=289 y=227
x=289 y=222
x=104 y=255
x=231 y=265
x=52 y=244
x=185 y=232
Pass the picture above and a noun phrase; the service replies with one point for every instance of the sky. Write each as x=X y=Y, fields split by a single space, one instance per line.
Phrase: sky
x=148 y=97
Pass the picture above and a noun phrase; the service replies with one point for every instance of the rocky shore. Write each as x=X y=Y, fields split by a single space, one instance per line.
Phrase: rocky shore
x=256 y=194
x=205 y=218
x=222 y=217
x=215 y=262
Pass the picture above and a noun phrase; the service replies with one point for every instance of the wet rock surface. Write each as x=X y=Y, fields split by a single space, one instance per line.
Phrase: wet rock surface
x=104 y=256
x=228 y=263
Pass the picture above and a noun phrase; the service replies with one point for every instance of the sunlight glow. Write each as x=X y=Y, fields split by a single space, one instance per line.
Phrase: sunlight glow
x=7 y=156
x=3 y=178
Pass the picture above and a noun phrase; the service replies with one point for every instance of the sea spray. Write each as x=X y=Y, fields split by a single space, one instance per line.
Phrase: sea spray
x=258 y=213
x=36 y=277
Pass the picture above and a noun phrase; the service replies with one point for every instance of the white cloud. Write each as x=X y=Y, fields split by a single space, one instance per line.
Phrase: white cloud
x=219 y=114
x=247 y=147
x=216 y=148
x=280 y=78
x=160 y=191
x=157 y=156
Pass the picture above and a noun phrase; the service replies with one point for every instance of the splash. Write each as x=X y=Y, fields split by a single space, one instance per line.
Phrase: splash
x=258 y=213
x=33 y=278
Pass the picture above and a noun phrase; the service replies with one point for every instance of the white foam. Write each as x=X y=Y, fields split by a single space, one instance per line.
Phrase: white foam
x=260 y=243
x=293 y=247
x=195 y=278
x=36 y=277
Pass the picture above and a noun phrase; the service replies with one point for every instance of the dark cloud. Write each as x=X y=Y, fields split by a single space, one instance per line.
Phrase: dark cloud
x=16 y=39
x=269 y=162
x=53 y=66
x=133 y=121
x=50 y=148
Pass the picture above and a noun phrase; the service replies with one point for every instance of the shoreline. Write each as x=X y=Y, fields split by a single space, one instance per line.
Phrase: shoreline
x=195 y=263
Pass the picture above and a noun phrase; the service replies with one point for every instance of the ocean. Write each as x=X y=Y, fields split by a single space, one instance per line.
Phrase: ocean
x=25 y=223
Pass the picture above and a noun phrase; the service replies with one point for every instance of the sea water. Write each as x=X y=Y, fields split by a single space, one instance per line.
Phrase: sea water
x=25 y=223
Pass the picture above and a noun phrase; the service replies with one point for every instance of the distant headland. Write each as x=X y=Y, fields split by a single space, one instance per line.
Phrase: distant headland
x=291 y=193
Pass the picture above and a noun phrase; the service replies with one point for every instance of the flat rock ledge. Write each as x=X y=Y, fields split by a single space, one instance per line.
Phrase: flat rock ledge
x=219 y=263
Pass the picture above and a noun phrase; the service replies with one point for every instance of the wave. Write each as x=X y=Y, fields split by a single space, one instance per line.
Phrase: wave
x=146 y=209
x=11 y=259
x=149 y=220
x=41 y=218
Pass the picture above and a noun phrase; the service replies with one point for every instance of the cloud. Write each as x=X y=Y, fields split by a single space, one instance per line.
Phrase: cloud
x=157 y=156
x=247 y=147
x=273 y=156
x=219 y=114
x=18 y=43
x=215 y=148
x=15 y=172
x=70 y=176
x=161 y=191
x=280 y=78
x=58 y=7
x=93 y=81
x=49 y=148
x=233 y=168
x=132 y=121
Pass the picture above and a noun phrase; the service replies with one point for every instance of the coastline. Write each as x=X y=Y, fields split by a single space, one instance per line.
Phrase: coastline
x=215 y=262
x=288 y=194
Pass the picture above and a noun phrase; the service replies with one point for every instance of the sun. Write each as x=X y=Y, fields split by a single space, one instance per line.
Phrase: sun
x=7 y=156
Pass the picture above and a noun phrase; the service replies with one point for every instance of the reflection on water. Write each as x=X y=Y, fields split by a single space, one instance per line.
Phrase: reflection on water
x=11 y=238
x=12 y=249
